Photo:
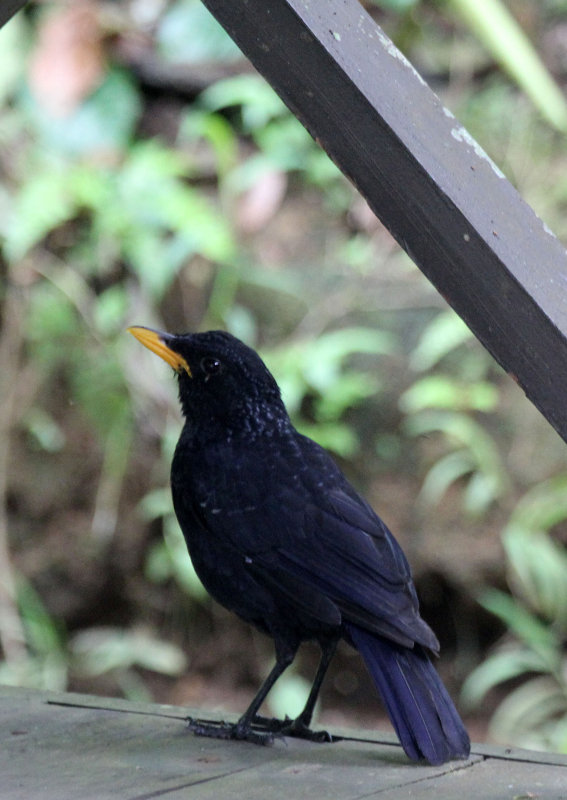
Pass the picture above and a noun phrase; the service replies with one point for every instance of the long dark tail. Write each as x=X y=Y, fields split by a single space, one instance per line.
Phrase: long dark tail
x=418 y=704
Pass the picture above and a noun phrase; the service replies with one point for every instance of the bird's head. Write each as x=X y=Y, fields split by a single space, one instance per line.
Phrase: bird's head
x=222 y=381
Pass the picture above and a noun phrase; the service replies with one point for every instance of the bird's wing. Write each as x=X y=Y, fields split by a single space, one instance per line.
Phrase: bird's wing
x=345 y=551
x=300 y=527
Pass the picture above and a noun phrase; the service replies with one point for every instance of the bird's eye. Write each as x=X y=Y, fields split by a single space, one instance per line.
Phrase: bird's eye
x=211 y=366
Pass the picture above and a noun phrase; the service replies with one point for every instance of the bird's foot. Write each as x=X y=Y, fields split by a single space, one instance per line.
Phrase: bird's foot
x=218 y=729
x=292 y=727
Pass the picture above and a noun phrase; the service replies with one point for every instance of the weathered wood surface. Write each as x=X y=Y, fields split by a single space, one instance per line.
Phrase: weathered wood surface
x=430 y=183
x=63 y=746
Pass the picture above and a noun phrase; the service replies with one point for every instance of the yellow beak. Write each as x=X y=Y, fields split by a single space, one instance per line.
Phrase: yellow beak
x=156 y=341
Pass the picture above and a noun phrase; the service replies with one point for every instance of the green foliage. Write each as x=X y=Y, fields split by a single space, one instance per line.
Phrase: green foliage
x=189 y=33
x=289 y=695
x=474 y=454
x=118 y=652
x=497 y=29
x=144 y=212
x=398 y=6
x=316 y=370
x=102 y=225
x=255 y=100
x=168 y=559
x=444 y=334
x=444 y=391
x=46 y=663
x=450 y=406
x=534 y=713
x=282 y=143
x=105 y=121
x=53 y=659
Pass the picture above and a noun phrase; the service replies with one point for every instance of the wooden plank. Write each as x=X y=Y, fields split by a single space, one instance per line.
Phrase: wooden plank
x=8 y=8
x=489 y=780
x=342 y=771
x=58 y=752
x=429 y=182
x=507 y=753
x=59 y=747
x=63 y=746
x=520 y=754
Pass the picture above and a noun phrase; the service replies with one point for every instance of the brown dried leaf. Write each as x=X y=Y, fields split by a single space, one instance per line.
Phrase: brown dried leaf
x=68 y=62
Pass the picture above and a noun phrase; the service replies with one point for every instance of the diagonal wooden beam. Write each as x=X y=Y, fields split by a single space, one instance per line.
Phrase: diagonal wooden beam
x=8 y=8
x=424 y=176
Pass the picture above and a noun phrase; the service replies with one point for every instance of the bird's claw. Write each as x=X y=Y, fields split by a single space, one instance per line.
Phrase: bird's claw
x=263 y=730
x=214 y=729
x=292 y=727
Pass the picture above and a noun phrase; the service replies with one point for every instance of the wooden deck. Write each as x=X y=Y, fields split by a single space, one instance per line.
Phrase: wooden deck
x=60 y=746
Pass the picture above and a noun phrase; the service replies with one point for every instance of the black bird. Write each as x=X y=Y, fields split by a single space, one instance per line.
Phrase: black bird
x=278 y=535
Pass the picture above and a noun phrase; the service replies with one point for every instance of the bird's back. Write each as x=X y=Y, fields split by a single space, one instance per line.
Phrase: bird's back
x=275 y=516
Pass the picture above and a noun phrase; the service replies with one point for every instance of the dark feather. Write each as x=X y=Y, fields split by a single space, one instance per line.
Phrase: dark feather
x=277 y=534
x=418 y=704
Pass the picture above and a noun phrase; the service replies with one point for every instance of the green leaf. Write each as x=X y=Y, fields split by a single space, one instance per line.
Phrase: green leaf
x=538 y=571
x=189 y=33
x=43 y=633
x=335 y=436
x=155 y=504
x=497 y=29
x=445 y=333
x=479 y=450
x=42 y=426
x=398 y=6
x=443 y=391
x=442 y=474
x=43 y=203
x=258 y=102
x=215 y=129
x=537 y=636
x=325 y=354
x=538 y=564
x=158 y=221
x=544 y=506
x=525 y=713
x=99 y=650
x=182 y=567
x=461 y=429
x=482 y=490
x=105 y=121
x=344 y=394
x=289 y=696
x=498 y=668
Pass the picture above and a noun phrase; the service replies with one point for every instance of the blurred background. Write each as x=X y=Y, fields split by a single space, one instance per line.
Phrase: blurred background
x=149 y=176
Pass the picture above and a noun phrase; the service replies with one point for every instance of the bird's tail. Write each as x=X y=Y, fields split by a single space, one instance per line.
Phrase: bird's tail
x=418 y=704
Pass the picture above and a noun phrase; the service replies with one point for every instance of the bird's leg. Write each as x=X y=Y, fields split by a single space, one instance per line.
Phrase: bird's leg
x=299 y=727
x=243 y=728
